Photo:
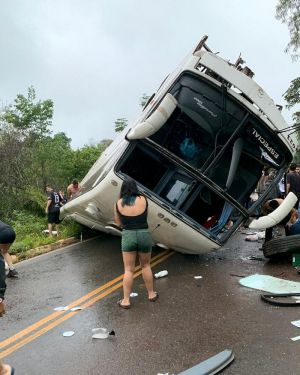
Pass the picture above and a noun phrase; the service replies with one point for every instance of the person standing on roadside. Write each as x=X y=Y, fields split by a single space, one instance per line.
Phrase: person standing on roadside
x=52 y=209
x=7 y=237
x=73 y=189
x=4 y=368
x=293 y=183
x=130 y=213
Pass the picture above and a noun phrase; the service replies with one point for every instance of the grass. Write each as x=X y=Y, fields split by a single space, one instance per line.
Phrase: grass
x=29 y=232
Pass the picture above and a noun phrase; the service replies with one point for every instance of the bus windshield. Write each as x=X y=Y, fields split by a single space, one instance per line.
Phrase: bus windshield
x=206 y=160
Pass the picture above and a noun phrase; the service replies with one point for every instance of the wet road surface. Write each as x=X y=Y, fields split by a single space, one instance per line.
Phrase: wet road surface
x=191 y=321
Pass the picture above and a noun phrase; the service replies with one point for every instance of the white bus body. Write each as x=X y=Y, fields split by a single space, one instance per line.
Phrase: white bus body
x=197 y=152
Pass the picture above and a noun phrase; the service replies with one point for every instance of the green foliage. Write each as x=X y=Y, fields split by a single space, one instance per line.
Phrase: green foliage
x=288 y=12
x=84 y=158
x=120 y=124
x=292 y=95
x=29 y=117
x=29 y=230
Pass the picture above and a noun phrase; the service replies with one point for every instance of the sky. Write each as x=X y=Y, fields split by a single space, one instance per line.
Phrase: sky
x=96 y=58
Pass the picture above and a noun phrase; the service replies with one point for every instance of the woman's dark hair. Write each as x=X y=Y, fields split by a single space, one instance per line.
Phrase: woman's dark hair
x=273 y=204
x=129 y=192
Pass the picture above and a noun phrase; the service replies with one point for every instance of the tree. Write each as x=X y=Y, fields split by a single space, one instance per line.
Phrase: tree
x=120 y=124
x=84 y=158
x=288 y=12
x=32 y=119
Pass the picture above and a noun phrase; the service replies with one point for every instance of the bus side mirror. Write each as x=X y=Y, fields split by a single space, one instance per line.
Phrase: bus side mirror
x=277 y=215
x=154 y=122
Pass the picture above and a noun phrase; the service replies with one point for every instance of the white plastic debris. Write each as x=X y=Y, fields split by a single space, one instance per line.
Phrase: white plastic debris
x=102 y=333
x=161 y=274
x=198 y=277
x=252 y=237
x=46 y=231
x=133 y=294
x=68 y=333
x=296 y=323
x=61 y=308
x=76 y=308
x=295 y=338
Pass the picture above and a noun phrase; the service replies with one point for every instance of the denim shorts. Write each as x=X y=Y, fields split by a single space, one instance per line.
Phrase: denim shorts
x=136 y=240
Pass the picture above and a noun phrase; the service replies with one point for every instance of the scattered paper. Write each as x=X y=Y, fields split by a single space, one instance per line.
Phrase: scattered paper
x=295 y=338
x=198 y=277
x=296 y=323
x=133 y=294
x=61 y=308
x=76 y=308
x=68 y=333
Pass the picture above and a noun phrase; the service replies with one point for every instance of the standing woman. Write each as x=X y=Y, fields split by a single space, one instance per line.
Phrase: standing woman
x=131 y=212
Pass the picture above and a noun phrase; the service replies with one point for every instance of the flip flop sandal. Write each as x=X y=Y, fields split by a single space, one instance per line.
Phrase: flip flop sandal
x=123 y=306
x=153 y=299
x=12 y=371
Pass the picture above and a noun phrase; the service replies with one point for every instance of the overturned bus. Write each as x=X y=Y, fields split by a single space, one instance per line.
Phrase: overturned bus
x=197 y=152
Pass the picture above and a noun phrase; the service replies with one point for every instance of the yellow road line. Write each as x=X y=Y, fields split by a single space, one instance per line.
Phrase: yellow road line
x=155 y=260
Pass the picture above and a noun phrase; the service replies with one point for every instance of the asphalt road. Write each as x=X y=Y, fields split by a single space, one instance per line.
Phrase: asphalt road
x=191 y=321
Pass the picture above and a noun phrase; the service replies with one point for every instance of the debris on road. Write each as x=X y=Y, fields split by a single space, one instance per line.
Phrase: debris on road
x=254 y=236
x=68 y=333
x=270 y=284
x=61 y=308
x=198 y=277
x=283 y=299
x=212 y=365
x=76 y=308
x=161 y=274
x=133 y=294
x=254 y=257
x=102 y=333
x=295 y=338
x=296 y=323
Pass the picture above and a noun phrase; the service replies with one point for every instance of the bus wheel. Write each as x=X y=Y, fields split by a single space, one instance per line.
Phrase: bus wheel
x=281 y=245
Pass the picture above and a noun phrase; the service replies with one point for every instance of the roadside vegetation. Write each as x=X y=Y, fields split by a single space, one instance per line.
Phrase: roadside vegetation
x=31 y=157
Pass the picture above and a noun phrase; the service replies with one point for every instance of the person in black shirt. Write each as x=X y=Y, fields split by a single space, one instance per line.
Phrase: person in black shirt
x=53 y=209
x=7 y=237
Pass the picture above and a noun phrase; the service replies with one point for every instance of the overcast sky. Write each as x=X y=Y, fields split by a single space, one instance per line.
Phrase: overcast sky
x=95 y=58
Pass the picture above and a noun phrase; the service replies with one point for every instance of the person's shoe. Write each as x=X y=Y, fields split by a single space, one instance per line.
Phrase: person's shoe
x=13 y=273
x=153 y=299
x=120 y=304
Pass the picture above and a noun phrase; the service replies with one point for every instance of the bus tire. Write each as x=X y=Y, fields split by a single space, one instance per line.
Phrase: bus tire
x=281 y=245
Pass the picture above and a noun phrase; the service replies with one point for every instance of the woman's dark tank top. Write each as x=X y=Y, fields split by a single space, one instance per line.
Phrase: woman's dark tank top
x=134 y=222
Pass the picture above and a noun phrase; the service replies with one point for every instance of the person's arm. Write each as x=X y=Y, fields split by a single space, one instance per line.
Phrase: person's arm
x=2 y=286
x=117 y=216
x=69 y=193
x=48 y=204
x=288 y=183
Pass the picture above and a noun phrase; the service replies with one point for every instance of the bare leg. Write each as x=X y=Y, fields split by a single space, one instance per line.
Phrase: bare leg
x=5 y=247
x=147 y=273
x=129 y=265
x=56 y=228
x=5 y=369
x=50 y=229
